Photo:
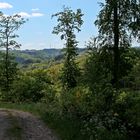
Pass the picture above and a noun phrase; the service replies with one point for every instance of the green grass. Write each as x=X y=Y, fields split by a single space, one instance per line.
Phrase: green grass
x=34 y=108
x=65 y=128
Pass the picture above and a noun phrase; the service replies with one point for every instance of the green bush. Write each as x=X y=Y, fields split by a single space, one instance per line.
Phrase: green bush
x=32 y=87
x=127 y=105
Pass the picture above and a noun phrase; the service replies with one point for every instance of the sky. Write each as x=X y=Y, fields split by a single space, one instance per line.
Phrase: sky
x=36 y=33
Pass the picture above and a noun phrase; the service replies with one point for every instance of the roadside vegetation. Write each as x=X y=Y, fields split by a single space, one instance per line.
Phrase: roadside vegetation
x=94 y=96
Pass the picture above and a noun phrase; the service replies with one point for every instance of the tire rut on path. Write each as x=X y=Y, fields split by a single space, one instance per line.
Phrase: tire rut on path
x=32 y=127
x=4 y=124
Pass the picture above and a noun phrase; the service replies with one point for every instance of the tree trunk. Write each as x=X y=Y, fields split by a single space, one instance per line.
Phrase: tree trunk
x=6 y=65
x=116 y=46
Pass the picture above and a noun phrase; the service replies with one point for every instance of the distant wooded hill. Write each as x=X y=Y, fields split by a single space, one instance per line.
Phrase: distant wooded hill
x=26 y=57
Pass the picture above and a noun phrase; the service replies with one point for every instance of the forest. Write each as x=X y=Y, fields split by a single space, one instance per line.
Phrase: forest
x=91 y=93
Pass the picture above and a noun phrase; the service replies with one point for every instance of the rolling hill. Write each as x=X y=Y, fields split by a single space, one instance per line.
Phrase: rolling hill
x=26 y=57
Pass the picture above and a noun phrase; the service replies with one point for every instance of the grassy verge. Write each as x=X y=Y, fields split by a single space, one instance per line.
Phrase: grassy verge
x=36 y=109
x=65 y=128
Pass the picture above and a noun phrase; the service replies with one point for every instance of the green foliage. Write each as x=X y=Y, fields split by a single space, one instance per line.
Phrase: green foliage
x=70 y=74
x=127 y=61
x=103 y=126
x=127 y=105
x=68 y=23
x=32 y=87
x=128 y=20
x=11 y=74
x=132 y=79
x=114 y=23
x=35 y=108
x=80 y=105
x=8 y=26
x=97 y=68
x=28 y=57
x=134 y=76
x=101 y=116
x=65 y=128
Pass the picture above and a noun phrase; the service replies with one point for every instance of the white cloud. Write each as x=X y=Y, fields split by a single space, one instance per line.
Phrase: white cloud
x=24 y=14
x=37 y=14
x=35 y=9
x=27 y=15
x=4 y=5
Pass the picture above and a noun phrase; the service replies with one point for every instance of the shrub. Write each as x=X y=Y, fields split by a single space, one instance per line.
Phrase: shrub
x=32 y=87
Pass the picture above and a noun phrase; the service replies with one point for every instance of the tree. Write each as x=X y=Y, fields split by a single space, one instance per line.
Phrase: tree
x=117 y=24
x=68 y=23
x=8 y=26
x=32 y=86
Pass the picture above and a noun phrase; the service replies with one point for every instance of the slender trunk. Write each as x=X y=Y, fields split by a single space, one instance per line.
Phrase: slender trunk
x=6 y=63
x=116 y=46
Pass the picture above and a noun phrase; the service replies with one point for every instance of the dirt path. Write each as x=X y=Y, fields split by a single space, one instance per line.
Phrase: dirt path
x=18 y=125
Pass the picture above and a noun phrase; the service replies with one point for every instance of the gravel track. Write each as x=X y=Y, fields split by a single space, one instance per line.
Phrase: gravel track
x=32 y=127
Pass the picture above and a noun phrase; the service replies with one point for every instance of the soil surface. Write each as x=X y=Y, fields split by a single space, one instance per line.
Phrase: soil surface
x=18 y=125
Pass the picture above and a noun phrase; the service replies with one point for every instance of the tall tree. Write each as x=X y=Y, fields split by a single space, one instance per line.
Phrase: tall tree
x=117 y=21
x=68 y=23
x=8 y=26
